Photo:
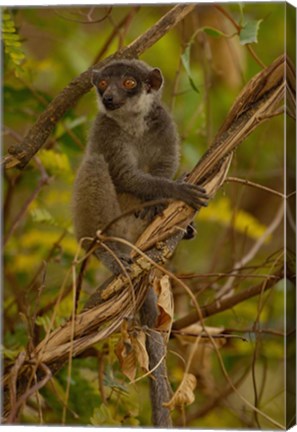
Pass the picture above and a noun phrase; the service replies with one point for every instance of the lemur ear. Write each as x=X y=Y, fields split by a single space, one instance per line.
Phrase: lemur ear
x=154 y=79
x=94 y=76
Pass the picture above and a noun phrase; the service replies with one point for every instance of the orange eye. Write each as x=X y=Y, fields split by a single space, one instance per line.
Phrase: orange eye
x=102 y=84
x=129 y=83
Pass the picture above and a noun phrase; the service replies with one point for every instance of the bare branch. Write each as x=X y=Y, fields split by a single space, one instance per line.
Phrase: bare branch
x=227 y=287
x=227 y=303
x=247 y=182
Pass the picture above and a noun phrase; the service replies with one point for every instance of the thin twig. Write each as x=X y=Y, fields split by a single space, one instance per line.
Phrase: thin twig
x=127 y=19
x=238 y=29
x=30 y=391
x=89 y=21
x=253 y=251
x=213 y=401
x=44 y=180
x=254 y=55
x=225 y=304
x=228 y=16
x=255 y=185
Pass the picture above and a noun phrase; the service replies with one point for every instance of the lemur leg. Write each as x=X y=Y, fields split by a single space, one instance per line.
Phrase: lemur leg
x=93 y=211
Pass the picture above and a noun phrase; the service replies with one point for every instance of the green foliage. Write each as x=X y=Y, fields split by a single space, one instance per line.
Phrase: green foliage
x=56 y=164
x=186 y=56
x=19 y=104
x=249 y=32
x=106 y=415
x=12 y=42
x=15 y=341
x=44 y=322
x=213 y=32
x=83 y=398
x=103 y=416
x=42 y=215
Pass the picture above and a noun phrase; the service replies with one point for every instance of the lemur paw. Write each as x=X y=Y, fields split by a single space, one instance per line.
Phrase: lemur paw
x=149 y=213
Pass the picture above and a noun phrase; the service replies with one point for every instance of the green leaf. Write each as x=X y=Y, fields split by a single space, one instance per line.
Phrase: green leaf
x=8 y=29
x=213 y=32
x=104 y=416
x=193 y=85
x=186 y=63
x=42 y=215
x=56 y=163
x=10 y=36
x=44 y=322
x=9 y=353
x=17 y=55
x=6 y=16
x=241 y=8
x=249 y=32
x=12 y=43
x=186 y=59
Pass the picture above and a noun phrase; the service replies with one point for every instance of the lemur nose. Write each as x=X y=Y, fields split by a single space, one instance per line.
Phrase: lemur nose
x=108 y=98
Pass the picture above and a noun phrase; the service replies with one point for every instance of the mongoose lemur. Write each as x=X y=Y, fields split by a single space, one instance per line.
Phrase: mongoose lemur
x=131 y=158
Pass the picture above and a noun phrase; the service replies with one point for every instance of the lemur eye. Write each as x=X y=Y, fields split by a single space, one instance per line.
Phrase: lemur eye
x=129 y=83
x=102 y=84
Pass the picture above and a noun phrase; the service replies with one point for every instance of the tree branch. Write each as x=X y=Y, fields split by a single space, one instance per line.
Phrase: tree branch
x=226 y=303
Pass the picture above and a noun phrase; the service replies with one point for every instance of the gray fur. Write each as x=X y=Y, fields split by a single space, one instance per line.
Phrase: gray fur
x=131 y=157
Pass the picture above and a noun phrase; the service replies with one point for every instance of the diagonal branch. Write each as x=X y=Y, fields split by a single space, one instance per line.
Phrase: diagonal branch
x=228 y=302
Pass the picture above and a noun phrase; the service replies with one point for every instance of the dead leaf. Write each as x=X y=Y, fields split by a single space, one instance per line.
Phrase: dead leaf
x=126 y=357
x=189 y=334
x=138 y=344
x=184 y=395
x=131 y=351
x=162 y=288
x=10 y=161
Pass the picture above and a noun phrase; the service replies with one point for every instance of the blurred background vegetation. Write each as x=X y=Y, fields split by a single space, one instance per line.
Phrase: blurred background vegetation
x=204 y=70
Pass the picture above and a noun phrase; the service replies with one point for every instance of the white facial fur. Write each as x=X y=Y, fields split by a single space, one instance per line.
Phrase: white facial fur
x=131 y=116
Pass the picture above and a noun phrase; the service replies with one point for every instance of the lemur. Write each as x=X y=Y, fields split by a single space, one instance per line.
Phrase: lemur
x=131 y=158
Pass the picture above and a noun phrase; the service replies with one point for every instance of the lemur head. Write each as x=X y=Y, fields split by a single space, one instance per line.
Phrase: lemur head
x=127 y=86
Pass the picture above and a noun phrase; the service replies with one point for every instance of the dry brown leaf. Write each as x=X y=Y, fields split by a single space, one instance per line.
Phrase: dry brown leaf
x=189 y=335
x=184 y=395
x=127 y=360
x=125 y=353
x=138 y=344
x=131 y=351
x=162 y=288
